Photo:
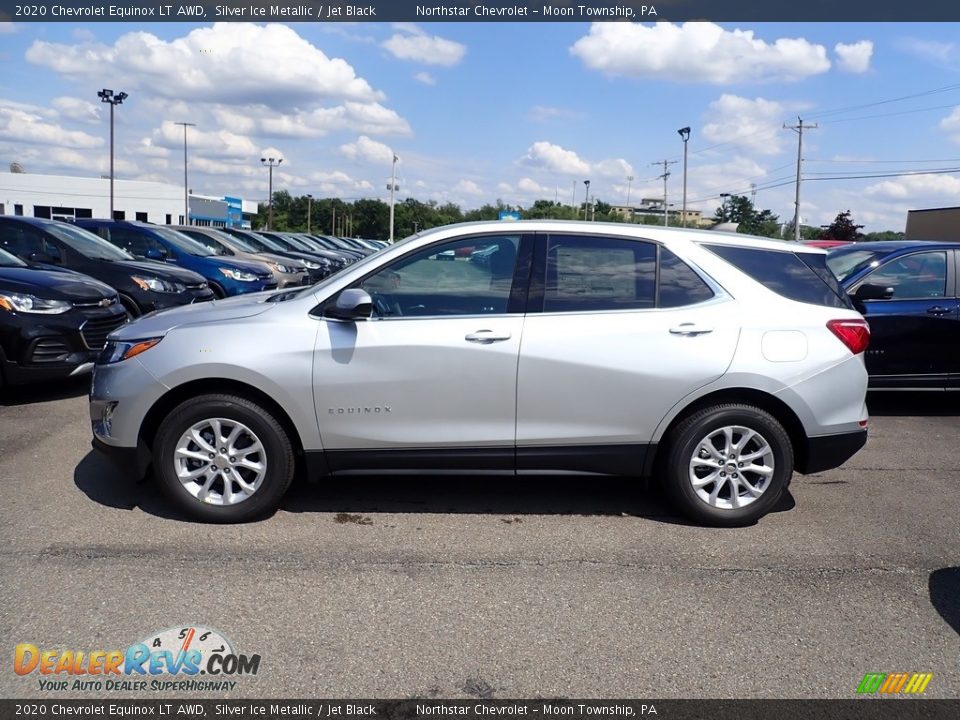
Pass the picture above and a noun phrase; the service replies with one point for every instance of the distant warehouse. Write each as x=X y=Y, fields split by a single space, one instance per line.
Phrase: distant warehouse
x=941 y=224
x=63 y=197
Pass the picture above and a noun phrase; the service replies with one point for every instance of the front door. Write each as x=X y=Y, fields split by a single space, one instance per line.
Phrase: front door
x=429 y=382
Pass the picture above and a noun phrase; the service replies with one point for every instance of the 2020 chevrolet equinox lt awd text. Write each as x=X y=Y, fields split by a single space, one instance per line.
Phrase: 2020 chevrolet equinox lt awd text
x=716 y=364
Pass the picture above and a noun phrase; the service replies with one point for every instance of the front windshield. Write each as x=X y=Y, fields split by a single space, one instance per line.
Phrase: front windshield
x=86 y=243
x=8 y=260
x=209 y=242
x=182 y=242
x=844 y=262
x=241 y=243
x=262 y=243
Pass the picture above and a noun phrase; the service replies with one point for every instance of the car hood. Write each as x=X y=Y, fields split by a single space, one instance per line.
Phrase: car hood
x=281 y=259
x=162 y=270
x=159 y=323
x=53 y=284
x=251 y=266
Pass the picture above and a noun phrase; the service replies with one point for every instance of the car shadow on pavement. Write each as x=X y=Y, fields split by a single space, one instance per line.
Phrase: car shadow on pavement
x=912 y=404
x=944 y=586
x=107 y=485
x=104 y=483
x=11 y=395
x=563 y=495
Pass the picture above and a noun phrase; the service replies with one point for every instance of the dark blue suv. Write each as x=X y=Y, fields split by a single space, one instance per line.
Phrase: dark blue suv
x=907 y=291
x=226 y=276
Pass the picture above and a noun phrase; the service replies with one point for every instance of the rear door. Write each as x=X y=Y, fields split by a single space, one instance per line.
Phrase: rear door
x=612 y=350
x=913 y=335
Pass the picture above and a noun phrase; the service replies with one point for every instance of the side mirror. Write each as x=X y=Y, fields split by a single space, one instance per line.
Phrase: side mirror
x=351 y=305
x=155 y=254
x=869 y=291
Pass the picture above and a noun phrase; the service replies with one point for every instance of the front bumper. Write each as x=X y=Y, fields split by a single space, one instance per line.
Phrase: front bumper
x=126 y=458
x=830 y=451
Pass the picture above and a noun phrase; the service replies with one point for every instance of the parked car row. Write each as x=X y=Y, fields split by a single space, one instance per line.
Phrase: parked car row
x=52 y=271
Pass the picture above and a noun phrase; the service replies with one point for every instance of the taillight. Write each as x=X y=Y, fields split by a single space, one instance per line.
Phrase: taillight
x=855 y=334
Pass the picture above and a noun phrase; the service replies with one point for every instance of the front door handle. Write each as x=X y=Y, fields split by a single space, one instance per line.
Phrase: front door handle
x=937 y=310
x=690 y=329
x=485 y=337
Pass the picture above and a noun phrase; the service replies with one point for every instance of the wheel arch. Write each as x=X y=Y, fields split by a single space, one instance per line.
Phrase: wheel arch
x=210 y=386
x=748 y=396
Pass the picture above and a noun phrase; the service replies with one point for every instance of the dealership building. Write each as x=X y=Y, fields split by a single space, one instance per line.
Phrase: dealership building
x=62 y=197
x=942 y=224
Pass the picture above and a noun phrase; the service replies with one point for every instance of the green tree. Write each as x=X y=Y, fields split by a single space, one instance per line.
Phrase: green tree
x=750 y=221
x=842 y=228
x=884 y=235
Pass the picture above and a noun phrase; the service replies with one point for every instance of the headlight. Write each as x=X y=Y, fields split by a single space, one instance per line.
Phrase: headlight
x=116 y=350
x=16 y=302
x=158 y=284
x=277 y=267
x=240 y=275
x=312 y=265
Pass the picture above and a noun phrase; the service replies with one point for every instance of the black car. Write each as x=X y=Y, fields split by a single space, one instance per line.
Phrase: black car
x=143 y=286
x=908 y=292
x=289 y=241
x=53 y=323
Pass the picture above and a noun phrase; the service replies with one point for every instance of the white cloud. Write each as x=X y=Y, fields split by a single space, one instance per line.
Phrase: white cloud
x=750 y=124
x=369 y=118
x=531 y=187
x=369 y=150
x=230 y=63
x=412 y=43
x=218 y=143
x=697 y=52
x=553 y=158
x=426 y=78
x=617 y=168
x=7 y=27
x=77 y=109
x=19 y=122
x=943 y=53
x=951 y=124
x=854 y=57
x=917 y=187
x=148 y=149
x=469 y=187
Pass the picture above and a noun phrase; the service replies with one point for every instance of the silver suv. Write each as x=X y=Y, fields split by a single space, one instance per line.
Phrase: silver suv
x=715 y=364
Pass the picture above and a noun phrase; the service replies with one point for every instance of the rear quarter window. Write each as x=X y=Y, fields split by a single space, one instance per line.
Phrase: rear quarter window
x=803 y=277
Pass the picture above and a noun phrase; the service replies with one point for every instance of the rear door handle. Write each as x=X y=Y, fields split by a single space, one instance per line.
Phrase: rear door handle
x=690 y=329
x=485 y=337
x=937 y=310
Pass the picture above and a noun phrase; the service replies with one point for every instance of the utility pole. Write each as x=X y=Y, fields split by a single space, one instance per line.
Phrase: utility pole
x=629 y=182
x=186 y=190
x=573 y=198
x=333 y=220
x=309 y=207
x=798 y=128
x=393 y=189
x=666 y=174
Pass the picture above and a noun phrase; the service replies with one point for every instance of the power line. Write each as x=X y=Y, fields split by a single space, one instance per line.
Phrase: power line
x=945 y=171
x=925 y=93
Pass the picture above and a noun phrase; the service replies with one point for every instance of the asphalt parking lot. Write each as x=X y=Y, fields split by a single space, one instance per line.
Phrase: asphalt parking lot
x=477 y=588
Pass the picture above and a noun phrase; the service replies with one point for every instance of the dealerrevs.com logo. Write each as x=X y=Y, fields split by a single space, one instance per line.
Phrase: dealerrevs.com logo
x=179 y=659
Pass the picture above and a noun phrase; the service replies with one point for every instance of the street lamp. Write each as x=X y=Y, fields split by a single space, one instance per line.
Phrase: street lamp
x=309 y=204
x=685 y=136
x=586 y=199
x=107 y=96
x=270 y=162
x=186 y=191
x=392 y=187
x=629 y=182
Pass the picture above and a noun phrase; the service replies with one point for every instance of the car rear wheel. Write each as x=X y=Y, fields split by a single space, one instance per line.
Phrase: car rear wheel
x=727 y=465
x=223 y=458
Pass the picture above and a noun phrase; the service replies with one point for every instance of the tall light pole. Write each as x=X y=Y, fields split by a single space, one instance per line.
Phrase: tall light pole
x=309 y=204
x=586 y=200
x=723 y=212
x=573 y=198
x=393 y=188
x=629 y=183
x=685 y=136
x=270 y=162
x=186 y=191
x=107 y=96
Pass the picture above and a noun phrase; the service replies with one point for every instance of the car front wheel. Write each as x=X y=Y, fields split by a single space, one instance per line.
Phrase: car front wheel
x=223 y=458
x=728 y=465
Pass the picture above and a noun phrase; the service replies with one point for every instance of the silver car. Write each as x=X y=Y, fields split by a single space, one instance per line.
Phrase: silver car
x=715 y=364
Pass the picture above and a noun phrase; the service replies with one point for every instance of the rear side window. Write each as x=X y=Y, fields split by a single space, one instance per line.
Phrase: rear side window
x=803 y=277
x=679 y=285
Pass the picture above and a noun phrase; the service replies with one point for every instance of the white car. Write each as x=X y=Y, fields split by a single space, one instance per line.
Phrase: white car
x=716 y=364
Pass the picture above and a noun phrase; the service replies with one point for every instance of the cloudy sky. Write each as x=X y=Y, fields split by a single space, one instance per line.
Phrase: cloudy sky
x=515 y=111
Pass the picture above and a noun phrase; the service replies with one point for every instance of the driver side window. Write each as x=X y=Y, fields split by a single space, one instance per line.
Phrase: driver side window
x=914 y=277
x=468 y=276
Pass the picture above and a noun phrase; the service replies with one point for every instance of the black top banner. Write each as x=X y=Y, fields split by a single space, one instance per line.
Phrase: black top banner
x=306 y=11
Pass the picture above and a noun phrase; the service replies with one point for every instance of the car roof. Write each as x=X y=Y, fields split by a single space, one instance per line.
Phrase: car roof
x=888 y=246
x=649 y=232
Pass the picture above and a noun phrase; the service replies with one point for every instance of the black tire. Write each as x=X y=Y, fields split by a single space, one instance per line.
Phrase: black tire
x=218 y=292
x=683 y=443
x=278 y=451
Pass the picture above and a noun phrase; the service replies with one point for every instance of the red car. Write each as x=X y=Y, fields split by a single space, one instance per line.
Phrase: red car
x=826 y=244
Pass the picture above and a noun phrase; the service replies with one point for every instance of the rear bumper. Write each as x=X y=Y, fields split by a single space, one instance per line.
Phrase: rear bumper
x=830 y=451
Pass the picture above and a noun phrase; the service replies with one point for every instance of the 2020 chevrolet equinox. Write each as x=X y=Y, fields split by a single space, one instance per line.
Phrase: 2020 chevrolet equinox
x=714 y=363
